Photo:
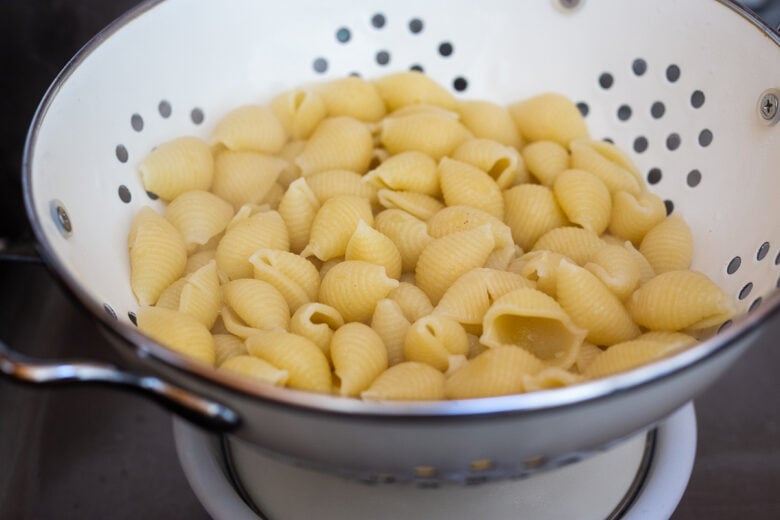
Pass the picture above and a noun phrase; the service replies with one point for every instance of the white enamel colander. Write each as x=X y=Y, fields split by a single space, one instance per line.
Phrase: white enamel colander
x=688 y=88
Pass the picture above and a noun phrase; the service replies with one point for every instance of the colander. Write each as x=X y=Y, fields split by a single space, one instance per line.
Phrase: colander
x=687 y=88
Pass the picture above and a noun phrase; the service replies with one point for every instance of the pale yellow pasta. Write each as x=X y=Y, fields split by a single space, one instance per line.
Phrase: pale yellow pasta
x=533 y=321
x=433 y=340
x=198 y=260
x=497 y=371
x=338 y=143
x=503 y=163
x=411 y=110
x=201 y=296
x=409 y=234
x=576 y=243
x=171 y=296
x=501 y=257
x=391 y=324
x=158 y=255
x=464 y=184
x=359 y=356
x=334 y=224
x=541 y=267
x=255 y=369
x=584 y=198
x=416 y=204
x=176 y=166
x=408 y=381
x=462 y=218
x=548 y=378
x=233 y=324
x=316 y=322
x=646 y=271
x=531 y=211
x=291 y=171
x=406 y=171
x=476 y=347
x=432 y=133
x=274 y=196
x=199 y=216
x=245 y=177
x=246 y=235
x=354 y=97
x=607 y=162
x=296 y=278
x=588 y=352
x=593 y=307
x=179 y=332
x=298 y=207
x=490 y=121
x=227 y=346
x=328 y=265
x=680 y=300
x=259 y=304
x=445 y=259
x=669 y=245
x=353 y=288
x=332 y=183
x=307 y=366
x=250 y=128
x=299 y=111
x=631 y=354
x=549 y=116
x=634 y=215
x=369 y=245
x=545 y=160
x=617 y=268
x=413 y=88
x=413 y=301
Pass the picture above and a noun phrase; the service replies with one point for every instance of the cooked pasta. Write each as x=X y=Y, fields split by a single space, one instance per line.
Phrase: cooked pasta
x=307 y=366
x=316 y=322
x=503 y=163
x=354 y=97
x=179 y=332
x=584 y=198
x=391 y=324
x=295 y=277
x=251 y=128
x=255 y=369
x=369 y=245
x=605 y=161
x=406 y=171
x=409 y=233
x=669 y=245
x=245 y=177
x=359 y=356
x=434 y=340
x=258 y=303
x=551 y=117
x=299 y=111
x=576 y=243
x=298 y=207
x=432 y=133
x=550 y=377
x=464 y=184
x=412 y=88
x=634 y=215
x=616 y=268
x=541 y=267
x=354 y=287
x=338 y=143
x=462 y=218
x=490 y=121
x=416 y=204
x=246 y=235
x=198 y=260
x=497 y=371
x=332 y=183
x=291 y=171
x=408 y=381
x=201 y=296
x=227 y=346
x=177 y=166
x=531 y=211
x=334 y=224
x=631 y=354
x=545 y=160
x=199 y=216
x=413 y=301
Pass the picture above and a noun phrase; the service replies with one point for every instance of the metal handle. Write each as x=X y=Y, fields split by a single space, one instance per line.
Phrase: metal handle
x=198 y=410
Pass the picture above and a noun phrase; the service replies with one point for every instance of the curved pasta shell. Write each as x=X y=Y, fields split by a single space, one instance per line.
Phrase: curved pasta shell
x=646 y=271
x=503 y=163
x=432 y=133
x=631 y=354
x=170 y=297
x=332 y=183
x=180 y=165
x=497 y=371
x=369 y=245
x=354 y=97
x=490 y=121
x=413 y=88
x=274 y=196
x=445 y=259
x=198 y=260
x=307 y=366
x=634 y=215
x=255 y=369
x=316 y=322
x=359 y=356
x=409 y=234
x=298 y=207
x=541 y=267
x=545 y=160
x=251 y=128
x=464 y=184
x=592 y=306
x=549 y=116
x=677 y=300
x=334 y=224
x=157 y=255
x=390 y=322
x=201 y=296
x=576 y=243
x=245 y=177
x=354 y=288
x=419 y=205
x=607 y=162
x=588 y=352
x=462 y=218
x=407 y=171
x=550 y=377
x=407 y=381
x=258 y=303
x=531 y=211
x=234 y=325
x=669 y=245
x=413 y=301
x=245 y=236
x=299 y=111
x=616 y=268
x=433 y=339
x=181 y=333
x=338 y=143
x=295 y=278
x=199 y=216
x=291 y=171
x=584 y=198
x=533 y=321
x=227 y=346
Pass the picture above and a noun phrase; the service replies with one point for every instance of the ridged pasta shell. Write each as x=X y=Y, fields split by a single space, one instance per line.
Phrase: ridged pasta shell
x=432 y=133
x=233 y=324
x=332 y=183
x=407 y=381
x=584 y=198
x=413 y=301
x=669 y=245
x=299 y=111
x=593 y=307
x=631 y=354
x=412 y=88
x=296 y=278
x=497 y=371
x=392 y=325
x=317 y=322
x=334 y=224
x=179 y=332
x=677 y=300
x=489 y=121
x=646 y=271
x=549 y=116
x=433 y=339
x=634 y=215
x=462 y=218
x=170 y=297
x=176 y=166
x=607 y=162
x=255 y=369
x=359 y=356
x=409 y=234
x=464 y=184
x=250 y=128
x=245 y=177
x=533 y=321
x=545 y=160
x=274 y=196
x=228 y=346
x=588 y=352
x=258 y=303
x=407 y=171
x=201 y=296
x=548 y=378
x=157 y=255
x=541 y=267
x=291 y=171
x=576 y=243
x=416 y=204
x=354 y=288
x=198 y=260
x=307 y=366
x=369 y=245
x=247 y=235
x=298 y=207
x=199 y=216
x=354 y=97
x=617 y=268
x=338 y=143
x=531 y=211
x=503 y=163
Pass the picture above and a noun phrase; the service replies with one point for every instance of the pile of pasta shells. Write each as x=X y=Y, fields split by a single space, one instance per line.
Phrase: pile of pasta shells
x=383 y=240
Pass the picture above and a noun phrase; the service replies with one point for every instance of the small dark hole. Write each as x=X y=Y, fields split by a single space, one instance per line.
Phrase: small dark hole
x=762 y=251
x=669 y=207
x=383 y=57
x=654 y=176
x=133 y=318
x=137 y=122
x=657 y=110
x=417 y=67
x=640 y=144
x=608 y=140
x=705 y=137
x=460 y=84
x=320 y=65
x=697 y=99
x=639 y=66
x=756 y=303
x=109 y=310
x=378 y=20
x=583 y=108
x=734 y=265
x=343 y=35
x=606 y=80
x=152 y=196
x=777 y=284
x=624 y=112
x=672 y=73
x=673 y=142
x=726 y=324
x=415 y=25
x=121 y=153
x=165 y=109
x=777 y=259
x=124 y=194
x=694 y=178
x=354 y=74
x=445 y=49
x=197 y=116
x=745 y=291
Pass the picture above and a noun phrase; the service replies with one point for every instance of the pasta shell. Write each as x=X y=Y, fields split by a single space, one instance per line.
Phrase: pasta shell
x=576 y=243
x=392 y=325
x=646 y=271
x=549 y=116
x=584 y=198
x=334 y=224
x=433 y=339
x=354 y=288
x=332 y=183
x=463 y=218
x=503 y=163
x=541 y=267
x=464 y=184
x=669 y=245
x=497 y=371
x=199 y=216
x=258 y=303
x=353 y=97
x=616 y=268
x=407 y=171
x=634 y=215
x=490 y=121
x=291 y=170
x=359 y=356
x=413 y=301
x=245 y=236
x=274 y=196
x=255 y=369
x=157 y=255
x=412 y=88
x=228 y=346
x=181 y=333
x=296 y=279
x=533 y=321
x=170 y=297
x=545 y=160
x=407 y=381
x=299 y=111
x=607 y=162
x=245 y=177
x=432 y=133
x=250 y=128
x=201 y=296
x=409 y=234
x=531 y=211
x=298 y=207
x=588 y=352
x=631 y=354
x=198 y=260
x=234 y=325
x=338 y=143
x=550 y=377
x=180 y=165
x=307 y=366
x=369 y=245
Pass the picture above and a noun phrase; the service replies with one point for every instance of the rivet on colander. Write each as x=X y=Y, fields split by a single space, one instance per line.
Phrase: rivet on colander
x=61 y=218
x=769 y=106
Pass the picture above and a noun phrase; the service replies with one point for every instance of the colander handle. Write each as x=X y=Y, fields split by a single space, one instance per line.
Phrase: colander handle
x=203 y=412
